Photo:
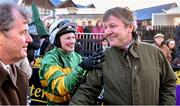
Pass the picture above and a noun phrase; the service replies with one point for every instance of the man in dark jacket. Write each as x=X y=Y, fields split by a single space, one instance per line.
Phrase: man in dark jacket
x=14 y=39
x=134 y=72
x=149 y=33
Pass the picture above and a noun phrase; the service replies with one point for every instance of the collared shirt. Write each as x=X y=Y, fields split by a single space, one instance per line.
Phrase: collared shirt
x=6 y=67
x=128 y=46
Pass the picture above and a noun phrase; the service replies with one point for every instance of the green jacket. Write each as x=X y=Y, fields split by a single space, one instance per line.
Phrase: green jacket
x=143 y=76
x=60 y=74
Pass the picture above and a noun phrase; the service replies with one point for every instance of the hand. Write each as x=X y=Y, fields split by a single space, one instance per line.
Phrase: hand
x=93 y=62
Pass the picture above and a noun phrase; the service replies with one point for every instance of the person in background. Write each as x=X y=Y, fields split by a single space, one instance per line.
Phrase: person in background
x=84 y=27
x=35 y=45
x=79 y=48
x=105 y=43
x=62 y=69
x=14 y=39
x=79 y=29
x=133 y=73
x=39 y=33
x=98 y=28
x=89 y=26
x=171 y=44
x=159 y=42
x=149 y=33
x=44 y=45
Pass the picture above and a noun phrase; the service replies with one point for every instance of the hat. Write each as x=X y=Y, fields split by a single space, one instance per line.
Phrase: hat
x=40 y=28
x=61 y=27
x=159 y=35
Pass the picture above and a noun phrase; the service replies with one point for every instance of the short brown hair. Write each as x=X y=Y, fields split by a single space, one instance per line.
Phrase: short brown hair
x=125 y=14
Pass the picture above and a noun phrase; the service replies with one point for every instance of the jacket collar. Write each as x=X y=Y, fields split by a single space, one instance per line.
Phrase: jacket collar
x=65 y=54
x=5 y=75
x=134 y=47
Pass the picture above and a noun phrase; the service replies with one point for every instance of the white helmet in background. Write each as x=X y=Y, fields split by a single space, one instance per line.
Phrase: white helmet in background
x=59 y=28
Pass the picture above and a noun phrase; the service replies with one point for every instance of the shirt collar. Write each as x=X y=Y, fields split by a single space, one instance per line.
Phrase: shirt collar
x=6 y=67
x=129 y=44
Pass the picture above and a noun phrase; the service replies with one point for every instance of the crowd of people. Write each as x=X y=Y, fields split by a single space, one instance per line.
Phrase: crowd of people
x=169 y=46
x=88 y=27
x=124 y=71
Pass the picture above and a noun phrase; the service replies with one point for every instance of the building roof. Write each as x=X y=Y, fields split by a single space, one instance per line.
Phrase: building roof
x=146 y=13
x=50 y=4
x=40 y=3
x=90 y=6
x=68 y=3
x=87 y=6
x=56 y=3
x=175 y=10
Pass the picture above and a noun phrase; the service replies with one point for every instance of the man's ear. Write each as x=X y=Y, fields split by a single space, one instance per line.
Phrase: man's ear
x=130 y=28
x=1 y=38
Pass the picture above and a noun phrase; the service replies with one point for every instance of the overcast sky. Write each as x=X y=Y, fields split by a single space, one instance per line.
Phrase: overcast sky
x=132 y=4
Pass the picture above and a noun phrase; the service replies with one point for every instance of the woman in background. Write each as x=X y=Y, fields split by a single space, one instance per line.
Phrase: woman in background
x=172 y=47
x=159 y=42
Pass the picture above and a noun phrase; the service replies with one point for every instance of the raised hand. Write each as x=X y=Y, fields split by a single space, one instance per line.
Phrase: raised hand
x=94 y=61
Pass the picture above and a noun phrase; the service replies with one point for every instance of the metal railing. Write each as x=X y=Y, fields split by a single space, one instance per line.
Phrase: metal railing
x=89 y=41
x=92 y=41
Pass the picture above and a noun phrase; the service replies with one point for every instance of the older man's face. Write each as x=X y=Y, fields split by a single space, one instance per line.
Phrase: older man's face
x=16 y=40
x=117 y=33
x=159 y=40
